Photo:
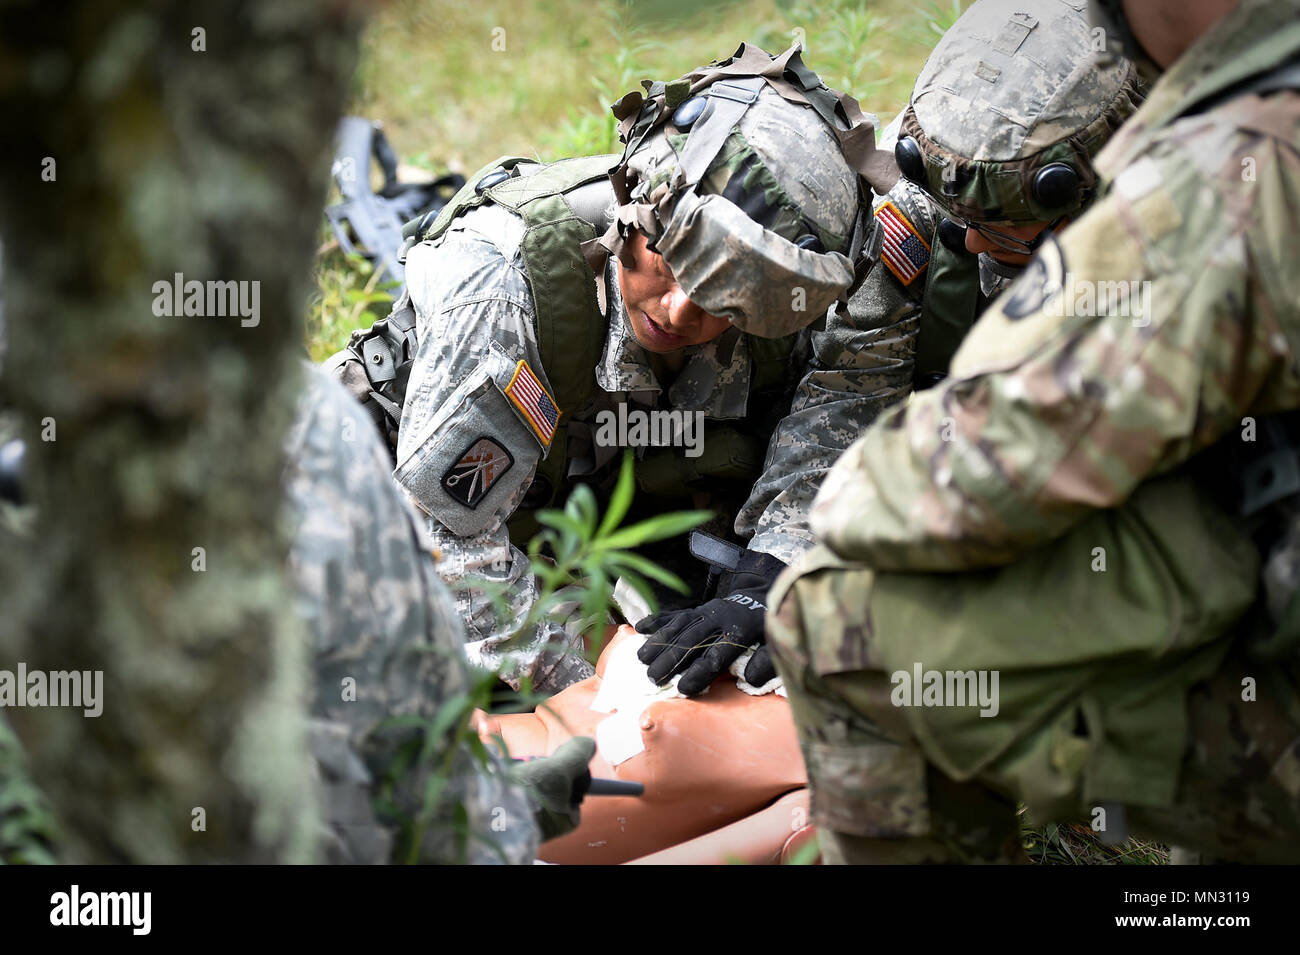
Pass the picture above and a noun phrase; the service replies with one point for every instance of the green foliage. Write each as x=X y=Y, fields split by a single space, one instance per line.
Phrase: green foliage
x=587 y=553
x=931 y=21
x=27 y=829
x=1076 y=844
x=621 y=63
x=436 y=752
x=843 y=41
x=448 y=100
x=939 y=17
x=350 y=294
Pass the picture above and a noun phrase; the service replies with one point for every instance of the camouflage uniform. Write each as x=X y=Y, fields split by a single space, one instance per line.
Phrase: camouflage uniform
x=387 y=644
x=477 y=318
x=1009 y=90
x=1037 y=515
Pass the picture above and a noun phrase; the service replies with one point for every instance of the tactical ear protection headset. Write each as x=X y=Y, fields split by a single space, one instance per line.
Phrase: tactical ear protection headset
x=1055 y=186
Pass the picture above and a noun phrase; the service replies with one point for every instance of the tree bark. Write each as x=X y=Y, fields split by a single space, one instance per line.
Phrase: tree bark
x=151 y=435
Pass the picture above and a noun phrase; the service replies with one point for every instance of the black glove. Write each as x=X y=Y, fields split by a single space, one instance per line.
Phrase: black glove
x=705 y=640
x=557 y=784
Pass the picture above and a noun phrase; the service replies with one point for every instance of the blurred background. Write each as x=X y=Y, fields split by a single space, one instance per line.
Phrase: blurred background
x=452 y=99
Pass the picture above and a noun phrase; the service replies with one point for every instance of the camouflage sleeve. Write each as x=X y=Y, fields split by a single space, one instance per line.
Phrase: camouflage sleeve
x=386 y=645
x=465 y=456
x=1124 y=349
x=549 y=654
x=862 y=363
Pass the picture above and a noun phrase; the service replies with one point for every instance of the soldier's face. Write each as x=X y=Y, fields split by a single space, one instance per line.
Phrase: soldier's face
x=1006 y=242
x=663 y=319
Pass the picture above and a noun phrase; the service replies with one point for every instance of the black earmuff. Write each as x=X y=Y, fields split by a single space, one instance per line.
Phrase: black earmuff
x=1056 y=185
x=907 y=153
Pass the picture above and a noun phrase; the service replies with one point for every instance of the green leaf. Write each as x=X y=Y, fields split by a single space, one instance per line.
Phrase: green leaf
x=450 y=711
x=656 y=528
x=641 y=565
x=570 y=538
x=806 y=854
x=581 y=506
x=595 y=604
x=621 y=499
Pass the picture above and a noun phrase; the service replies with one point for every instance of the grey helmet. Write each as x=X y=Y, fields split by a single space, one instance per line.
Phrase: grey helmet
x=746 y=175
x=1010 y=109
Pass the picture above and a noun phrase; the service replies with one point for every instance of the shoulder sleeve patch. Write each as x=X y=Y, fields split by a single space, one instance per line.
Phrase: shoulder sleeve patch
x=533 y=402
x=904 y=251
x=472 y=464
x=476 y=470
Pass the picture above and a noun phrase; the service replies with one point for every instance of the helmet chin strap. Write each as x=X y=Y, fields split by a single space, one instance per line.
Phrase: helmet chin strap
x=996 y=276
x=1047 y=233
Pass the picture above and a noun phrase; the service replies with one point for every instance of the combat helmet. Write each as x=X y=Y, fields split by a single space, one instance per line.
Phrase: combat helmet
x=1010 y=109
x=746 y=176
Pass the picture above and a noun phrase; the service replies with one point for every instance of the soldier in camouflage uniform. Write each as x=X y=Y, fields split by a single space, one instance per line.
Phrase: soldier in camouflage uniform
x=387 y=644
x=1045 y=513
x=676 y=278
x=995 y=153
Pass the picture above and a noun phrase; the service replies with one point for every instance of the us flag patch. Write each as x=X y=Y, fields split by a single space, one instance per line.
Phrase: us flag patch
x=904 y=251
x=537 y=407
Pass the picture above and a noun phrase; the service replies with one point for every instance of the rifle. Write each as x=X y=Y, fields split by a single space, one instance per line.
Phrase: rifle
x=370 y=223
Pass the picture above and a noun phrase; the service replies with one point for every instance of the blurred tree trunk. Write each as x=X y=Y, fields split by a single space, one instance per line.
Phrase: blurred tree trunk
x=146 y=139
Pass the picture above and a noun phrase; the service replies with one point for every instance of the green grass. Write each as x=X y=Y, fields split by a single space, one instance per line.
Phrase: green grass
x=449 y=100
x=1077 y=844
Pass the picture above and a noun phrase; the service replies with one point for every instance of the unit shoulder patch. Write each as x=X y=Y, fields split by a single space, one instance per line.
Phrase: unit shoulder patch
x=476 y=470
x=534 y=403
x=904 y=251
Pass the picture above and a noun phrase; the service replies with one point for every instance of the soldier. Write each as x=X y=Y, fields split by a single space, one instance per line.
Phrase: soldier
x=995 y=150
x=387 y=644
x=1040 y=525
x=554 y=310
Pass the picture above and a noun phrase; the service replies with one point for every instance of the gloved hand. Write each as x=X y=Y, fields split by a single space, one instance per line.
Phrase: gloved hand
x=705 y=640
x=557 y=784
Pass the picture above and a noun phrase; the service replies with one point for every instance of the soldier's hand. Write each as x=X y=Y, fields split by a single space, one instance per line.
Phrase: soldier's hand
x=702 y=642
x=557 y=784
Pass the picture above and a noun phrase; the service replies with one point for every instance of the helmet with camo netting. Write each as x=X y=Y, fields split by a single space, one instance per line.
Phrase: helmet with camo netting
x=1010 y=109
x=745 y=175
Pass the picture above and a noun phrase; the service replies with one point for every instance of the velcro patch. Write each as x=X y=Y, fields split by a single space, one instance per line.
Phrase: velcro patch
x=534 y=403
x=477 y=469
x=904 y=251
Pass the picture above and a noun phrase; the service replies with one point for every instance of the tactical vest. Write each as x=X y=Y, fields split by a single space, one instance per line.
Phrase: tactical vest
x=563 y=204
